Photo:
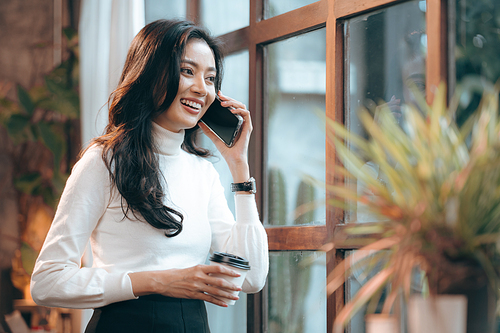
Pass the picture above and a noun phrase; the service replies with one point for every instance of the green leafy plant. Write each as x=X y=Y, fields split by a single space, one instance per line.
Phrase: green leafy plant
x=439 y=206
x=42 y=124
x=40 y=119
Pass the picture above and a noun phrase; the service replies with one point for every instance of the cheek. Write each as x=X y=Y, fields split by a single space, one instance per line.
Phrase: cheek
x=211 y=95
x=183 y=84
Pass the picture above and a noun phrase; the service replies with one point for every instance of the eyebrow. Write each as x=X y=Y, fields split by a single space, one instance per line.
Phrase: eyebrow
x=191 y=62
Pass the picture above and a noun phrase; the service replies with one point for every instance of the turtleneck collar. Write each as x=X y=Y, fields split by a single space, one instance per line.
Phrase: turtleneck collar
x=167 y=142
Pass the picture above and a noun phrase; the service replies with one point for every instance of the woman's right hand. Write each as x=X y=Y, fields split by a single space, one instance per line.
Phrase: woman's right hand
x=394 y=106
x=193 y=283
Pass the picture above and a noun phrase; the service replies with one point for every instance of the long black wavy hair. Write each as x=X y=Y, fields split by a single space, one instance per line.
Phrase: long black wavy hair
x=147 y=87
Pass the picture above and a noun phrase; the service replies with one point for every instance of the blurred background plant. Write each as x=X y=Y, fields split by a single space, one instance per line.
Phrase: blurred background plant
x=42 y=124
x=439 y=204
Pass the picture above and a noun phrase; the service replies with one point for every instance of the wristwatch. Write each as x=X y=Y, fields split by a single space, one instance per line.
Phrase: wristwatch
x=248 y=186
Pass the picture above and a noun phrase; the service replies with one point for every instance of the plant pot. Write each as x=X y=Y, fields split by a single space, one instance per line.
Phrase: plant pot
x=381 y=323
x=438 y=314
x=466 y=277
x=481 y=306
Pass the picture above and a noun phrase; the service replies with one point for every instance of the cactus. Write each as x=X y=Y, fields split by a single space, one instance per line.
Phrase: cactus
x=288 y=282
x=277 y=198
x=279 y=283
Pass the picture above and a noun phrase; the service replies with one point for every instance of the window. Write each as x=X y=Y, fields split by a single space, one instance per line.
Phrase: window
x=293 y=62
x=294 y=103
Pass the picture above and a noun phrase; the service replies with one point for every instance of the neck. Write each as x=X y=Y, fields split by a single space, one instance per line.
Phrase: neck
x=167 y=142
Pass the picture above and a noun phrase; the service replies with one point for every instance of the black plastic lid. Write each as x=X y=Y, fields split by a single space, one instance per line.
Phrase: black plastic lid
x=230 y=259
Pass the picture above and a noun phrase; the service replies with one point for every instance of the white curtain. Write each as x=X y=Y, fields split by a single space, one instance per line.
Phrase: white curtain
x=106 y=29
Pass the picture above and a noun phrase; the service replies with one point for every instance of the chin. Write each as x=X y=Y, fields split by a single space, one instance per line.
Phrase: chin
x=191 y=125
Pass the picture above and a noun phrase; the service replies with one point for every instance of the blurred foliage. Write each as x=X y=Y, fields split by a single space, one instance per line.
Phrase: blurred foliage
x=439 y=205
x=41 y=123
x=41 y=118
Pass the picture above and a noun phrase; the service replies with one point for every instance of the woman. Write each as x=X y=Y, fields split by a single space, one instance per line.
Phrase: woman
x=151 y=206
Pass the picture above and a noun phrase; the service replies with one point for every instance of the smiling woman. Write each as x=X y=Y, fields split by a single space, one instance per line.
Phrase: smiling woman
x=196 y=88
x=151 y=206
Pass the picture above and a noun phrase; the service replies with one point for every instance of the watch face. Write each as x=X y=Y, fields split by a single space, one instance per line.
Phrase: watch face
x=251 y=185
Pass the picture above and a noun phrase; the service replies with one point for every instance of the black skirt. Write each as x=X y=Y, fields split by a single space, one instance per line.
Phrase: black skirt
x=151 y=314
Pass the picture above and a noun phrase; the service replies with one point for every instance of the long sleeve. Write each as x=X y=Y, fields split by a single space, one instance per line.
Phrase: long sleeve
x=246 y=237
x=122 y=244
x=58 y=280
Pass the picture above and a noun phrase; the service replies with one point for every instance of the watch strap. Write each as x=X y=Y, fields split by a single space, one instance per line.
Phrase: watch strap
x=248 y=186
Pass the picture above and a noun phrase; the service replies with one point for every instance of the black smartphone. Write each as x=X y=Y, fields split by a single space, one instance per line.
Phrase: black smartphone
x=222 y=122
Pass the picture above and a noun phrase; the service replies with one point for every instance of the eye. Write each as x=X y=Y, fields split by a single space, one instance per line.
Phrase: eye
x=211 y=79
x=420 y=85
x=187 y=71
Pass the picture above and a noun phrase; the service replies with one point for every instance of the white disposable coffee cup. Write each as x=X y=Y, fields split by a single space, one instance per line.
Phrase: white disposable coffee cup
x=235 y=263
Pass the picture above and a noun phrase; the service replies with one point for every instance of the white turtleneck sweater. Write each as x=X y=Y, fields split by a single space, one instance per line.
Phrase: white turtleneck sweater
x=90 y=209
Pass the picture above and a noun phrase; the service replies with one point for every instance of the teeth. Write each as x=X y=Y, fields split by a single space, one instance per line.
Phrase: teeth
x=191 y=103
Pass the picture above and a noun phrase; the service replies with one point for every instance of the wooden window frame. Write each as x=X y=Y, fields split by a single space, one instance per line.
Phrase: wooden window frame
x=260 y=32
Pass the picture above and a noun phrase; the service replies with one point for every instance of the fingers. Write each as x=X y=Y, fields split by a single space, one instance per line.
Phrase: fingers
x=200 y=282
x=230 y=102
x=213 y=300
x=239 y=150
x=238 y=108
x=215 y=288
x=219 y=269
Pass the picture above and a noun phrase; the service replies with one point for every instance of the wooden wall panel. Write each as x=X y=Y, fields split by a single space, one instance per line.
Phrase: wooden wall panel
x=437 y=55
x=297 y=21
x=347 y=8
x=297 y=238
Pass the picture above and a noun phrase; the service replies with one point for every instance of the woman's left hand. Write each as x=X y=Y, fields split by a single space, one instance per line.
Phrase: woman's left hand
x=237 y=156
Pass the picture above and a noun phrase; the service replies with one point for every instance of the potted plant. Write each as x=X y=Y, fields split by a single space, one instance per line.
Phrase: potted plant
x=439 y=205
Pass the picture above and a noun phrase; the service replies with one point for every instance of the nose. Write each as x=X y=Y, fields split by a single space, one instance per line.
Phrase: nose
x=199 y=86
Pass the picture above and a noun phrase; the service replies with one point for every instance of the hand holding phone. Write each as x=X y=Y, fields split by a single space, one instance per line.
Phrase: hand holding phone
x=222 y=122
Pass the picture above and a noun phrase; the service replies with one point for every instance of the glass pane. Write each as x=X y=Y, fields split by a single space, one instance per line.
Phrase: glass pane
x=295 y=102
x=358 y=277
x=234 y=84
x=164 y=9
x=385 y=53
x=297 y=298
x=477 y=46
x=223 y=16
x=277 y=7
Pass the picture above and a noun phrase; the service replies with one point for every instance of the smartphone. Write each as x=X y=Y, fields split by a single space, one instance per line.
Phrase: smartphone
x=222 y=122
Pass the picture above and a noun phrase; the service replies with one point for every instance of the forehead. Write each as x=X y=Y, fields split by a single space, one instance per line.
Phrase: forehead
x=200 y=54
x=414 y=67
